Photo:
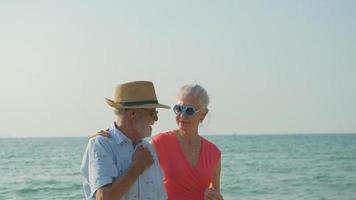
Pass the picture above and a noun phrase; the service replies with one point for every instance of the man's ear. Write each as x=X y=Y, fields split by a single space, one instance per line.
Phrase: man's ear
x=131 y=113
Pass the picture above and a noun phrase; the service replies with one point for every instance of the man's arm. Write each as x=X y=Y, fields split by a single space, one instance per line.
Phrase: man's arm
x=142 y=159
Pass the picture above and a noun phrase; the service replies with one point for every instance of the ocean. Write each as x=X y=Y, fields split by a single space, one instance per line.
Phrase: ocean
x=266 y=167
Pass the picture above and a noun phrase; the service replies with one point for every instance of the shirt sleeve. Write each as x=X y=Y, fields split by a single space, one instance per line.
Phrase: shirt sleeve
x=101 y=166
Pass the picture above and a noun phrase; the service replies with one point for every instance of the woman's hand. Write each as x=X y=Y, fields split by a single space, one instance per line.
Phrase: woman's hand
x=104 y=133
x=212 y=194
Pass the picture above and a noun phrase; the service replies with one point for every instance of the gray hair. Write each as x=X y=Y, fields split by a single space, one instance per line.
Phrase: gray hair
x=196 y=91
x=119 y=112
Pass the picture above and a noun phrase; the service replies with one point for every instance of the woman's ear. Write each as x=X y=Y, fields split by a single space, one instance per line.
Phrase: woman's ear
x=203 y=117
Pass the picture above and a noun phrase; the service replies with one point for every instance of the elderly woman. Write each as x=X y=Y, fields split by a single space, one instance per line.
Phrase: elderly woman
x=190 y=163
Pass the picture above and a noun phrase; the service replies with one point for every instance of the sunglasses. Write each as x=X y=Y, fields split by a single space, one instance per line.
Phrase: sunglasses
x=187 y=110
x=152 y=113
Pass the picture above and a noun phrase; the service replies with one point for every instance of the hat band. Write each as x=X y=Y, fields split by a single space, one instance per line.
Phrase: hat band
x=137 y=103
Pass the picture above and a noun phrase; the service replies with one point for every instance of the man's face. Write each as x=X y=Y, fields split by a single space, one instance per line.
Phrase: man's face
x=144 y=121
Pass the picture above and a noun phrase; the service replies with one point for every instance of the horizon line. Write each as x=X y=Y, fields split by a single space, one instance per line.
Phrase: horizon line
x=228 y=134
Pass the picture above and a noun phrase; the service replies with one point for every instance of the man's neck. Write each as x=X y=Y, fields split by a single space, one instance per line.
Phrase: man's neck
x=128 y=132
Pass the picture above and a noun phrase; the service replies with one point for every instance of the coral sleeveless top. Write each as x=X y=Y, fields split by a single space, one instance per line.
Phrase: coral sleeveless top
x=182 y=180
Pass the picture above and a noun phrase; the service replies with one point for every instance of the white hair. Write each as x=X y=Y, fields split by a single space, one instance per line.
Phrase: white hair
x=196 y=91
x=119 y=112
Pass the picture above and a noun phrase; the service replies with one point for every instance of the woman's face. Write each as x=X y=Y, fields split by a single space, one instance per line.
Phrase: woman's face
x=186 y=122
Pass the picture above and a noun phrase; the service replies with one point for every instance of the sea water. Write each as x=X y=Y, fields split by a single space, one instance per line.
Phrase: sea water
x=268 y=167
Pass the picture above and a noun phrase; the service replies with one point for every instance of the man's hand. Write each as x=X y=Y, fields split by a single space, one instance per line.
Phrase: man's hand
x=142 y=158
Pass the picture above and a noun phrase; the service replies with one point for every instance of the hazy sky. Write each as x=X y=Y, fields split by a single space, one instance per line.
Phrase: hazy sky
x=269 y=66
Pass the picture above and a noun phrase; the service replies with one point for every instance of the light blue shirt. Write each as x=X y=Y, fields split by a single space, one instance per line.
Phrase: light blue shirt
x=105 y=159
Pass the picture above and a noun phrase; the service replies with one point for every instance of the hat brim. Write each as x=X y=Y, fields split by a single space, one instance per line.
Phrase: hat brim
x=120 y=106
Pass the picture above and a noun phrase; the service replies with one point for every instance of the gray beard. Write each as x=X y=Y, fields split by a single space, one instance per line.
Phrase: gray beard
x=143 y=130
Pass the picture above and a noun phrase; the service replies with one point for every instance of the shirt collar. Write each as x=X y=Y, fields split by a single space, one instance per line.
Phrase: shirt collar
x=118 y=135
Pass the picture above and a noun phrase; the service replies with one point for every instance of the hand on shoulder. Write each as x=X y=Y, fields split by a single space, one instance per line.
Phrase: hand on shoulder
x=104 y=133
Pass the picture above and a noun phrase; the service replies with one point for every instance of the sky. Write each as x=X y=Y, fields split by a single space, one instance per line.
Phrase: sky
x=270 y=67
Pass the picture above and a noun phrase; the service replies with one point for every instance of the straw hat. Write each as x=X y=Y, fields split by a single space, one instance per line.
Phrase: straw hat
x=137 y=94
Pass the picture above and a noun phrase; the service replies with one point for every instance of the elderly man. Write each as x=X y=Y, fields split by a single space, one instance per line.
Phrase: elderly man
x=124 y=166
